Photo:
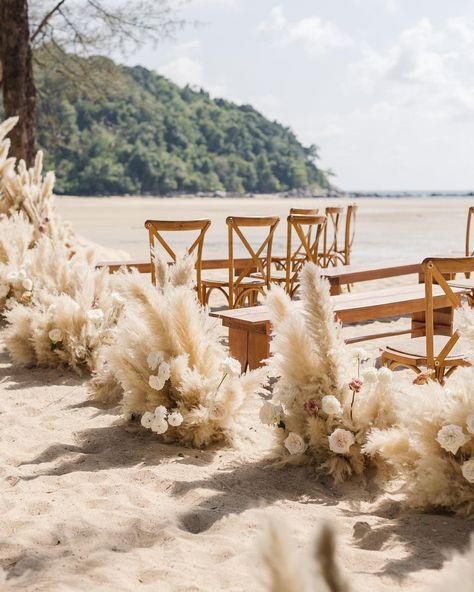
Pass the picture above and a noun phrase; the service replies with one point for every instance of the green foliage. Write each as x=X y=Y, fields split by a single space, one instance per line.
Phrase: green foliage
x=110 y=129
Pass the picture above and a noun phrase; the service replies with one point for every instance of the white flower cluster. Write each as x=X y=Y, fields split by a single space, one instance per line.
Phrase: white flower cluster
x=160 y=420
x=372 y=376
x=294 y=443
x=157 y=364
x=331 y=405
x=55 y=335
x=340 y=441
x=271 y=414
x=21 y=283
x=451 y=437
x=230 y=366
x=95 y=316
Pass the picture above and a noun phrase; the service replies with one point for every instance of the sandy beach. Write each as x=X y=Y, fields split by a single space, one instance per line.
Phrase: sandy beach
x=87 y=504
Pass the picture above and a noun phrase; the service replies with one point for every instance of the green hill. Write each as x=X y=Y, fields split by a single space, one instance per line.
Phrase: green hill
x=110 y=129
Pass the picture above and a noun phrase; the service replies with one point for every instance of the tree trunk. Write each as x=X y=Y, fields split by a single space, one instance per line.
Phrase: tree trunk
x=18 y=87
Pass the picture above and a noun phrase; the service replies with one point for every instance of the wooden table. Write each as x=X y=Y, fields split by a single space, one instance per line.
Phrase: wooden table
x=250 y=328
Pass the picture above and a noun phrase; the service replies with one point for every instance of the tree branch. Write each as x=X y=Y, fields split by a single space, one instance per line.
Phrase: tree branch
x=45 y=20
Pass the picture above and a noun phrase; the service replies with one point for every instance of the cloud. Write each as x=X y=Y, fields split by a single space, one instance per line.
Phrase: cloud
x=427 y=69
x=184 y=70
x=316 y=36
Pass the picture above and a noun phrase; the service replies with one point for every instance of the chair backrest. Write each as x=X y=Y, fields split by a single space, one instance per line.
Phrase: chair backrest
x=470 y=213
x=331 y=232
x=438 y=270
x=349 y=232
x=157 y=227
x=260 y=256
x=303 y=244
x=304 y=212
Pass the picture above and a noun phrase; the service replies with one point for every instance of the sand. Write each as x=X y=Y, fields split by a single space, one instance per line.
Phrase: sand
x=87 y=504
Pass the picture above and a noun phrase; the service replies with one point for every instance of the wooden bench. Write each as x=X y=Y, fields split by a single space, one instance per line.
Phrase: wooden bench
x=352 y=274
x=250 y=328
x=337 y=276
x=144 y=265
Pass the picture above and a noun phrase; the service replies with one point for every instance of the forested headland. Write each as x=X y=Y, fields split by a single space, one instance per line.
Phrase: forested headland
x=111 y=129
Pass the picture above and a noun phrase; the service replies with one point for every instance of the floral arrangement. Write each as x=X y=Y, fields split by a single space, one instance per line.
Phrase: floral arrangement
x=167 y=367
x=323 y=404
x=66 y=311
x=432 y=445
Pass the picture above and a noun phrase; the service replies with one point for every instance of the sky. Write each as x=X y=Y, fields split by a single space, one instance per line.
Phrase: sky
x=385 y=88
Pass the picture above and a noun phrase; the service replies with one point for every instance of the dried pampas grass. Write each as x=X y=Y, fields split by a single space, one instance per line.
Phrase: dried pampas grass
x=69 y=314
x=166 y=355
x=288 y=571
x=321 y=408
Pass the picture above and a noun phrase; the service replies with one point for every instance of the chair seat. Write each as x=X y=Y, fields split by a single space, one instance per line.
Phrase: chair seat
x=277 y=275
x=416 y=348
x=224 y=281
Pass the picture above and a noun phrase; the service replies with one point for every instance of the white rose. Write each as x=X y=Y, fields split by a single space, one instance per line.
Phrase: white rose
x=117 y=298
x=153 y=359
x=470 y=423
x=385 y=375
x=159 y=426
x=147 y=419
x=270 y=414
x=331 y=405
x=156 y=382
x=358 y=353
x=160 y=413
x=13 y=277
x=286 y=394
x=294 y=443
x=96 y=315
x=56 y=335
x=164 y=371
x=217 y=411
x=28 y=284
x=230 y=366
x=80 y=352
x=467 y=469
x=451 y=438
x=340 y=441
x=175 y=419
x=370 y=375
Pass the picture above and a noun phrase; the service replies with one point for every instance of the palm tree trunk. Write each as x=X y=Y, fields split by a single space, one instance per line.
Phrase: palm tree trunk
x=18 y=88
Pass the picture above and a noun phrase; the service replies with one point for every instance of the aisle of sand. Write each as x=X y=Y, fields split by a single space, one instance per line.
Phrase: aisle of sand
x=89 y=505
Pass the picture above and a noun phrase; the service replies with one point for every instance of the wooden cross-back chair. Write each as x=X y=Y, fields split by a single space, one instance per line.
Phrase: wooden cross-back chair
x=157 y=227
x=308 y=231
x=439 y=353
x=240 y=288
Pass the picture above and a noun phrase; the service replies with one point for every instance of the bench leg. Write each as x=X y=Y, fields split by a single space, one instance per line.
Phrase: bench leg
x=258 y=349
x=238 y=346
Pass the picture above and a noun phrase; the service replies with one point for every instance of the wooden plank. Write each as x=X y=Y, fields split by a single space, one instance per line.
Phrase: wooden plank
x=144 y=265
x=353 y=308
